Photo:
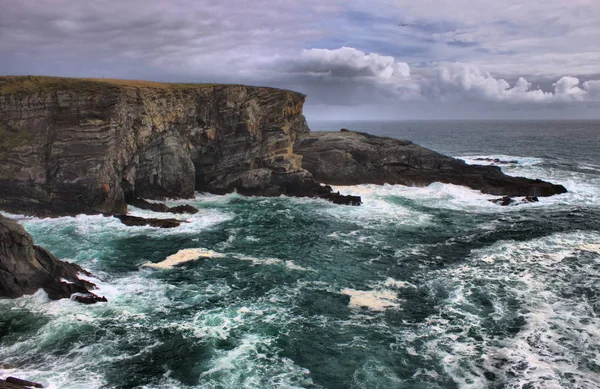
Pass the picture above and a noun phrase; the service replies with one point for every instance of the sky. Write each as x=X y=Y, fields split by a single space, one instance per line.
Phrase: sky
x=357 y=59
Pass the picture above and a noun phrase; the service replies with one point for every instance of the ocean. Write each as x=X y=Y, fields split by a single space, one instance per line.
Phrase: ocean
x=432 y=287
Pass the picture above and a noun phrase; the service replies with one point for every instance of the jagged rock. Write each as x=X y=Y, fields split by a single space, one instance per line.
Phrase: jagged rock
x=183 y=209
x=351 y=158
x=129 y=220
x=25 y=267
x=88 y=298
x=160 y=207
x=341 y=199
x=70 y=146
x=504 y=201
x=510 y=201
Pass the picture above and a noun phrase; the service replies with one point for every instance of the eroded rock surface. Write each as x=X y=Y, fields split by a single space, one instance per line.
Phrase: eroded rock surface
x=25 y=268
x=71 y=146
x=352 y=158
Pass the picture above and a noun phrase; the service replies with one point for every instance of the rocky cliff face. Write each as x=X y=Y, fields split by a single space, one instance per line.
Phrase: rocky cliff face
x=25 y=268
x=351 y=158
x=75 y=145
x=71 y=146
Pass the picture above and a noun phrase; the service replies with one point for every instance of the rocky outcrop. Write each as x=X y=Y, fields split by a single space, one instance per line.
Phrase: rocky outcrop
x=136 y=221
x=160 y=207
x=71 y=146
x=25 y=268
x=351 y=158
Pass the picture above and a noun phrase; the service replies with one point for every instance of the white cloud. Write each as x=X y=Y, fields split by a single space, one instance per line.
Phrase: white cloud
x=458 y=81
x=347 y=62
x=357 y=72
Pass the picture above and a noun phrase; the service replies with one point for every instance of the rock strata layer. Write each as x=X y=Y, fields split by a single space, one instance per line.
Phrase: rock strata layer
x=71 y=146
x=25 y=268
x=352 y=158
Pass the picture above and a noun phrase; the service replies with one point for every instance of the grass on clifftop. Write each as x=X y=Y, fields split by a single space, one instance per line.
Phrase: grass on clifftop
x=31 y=84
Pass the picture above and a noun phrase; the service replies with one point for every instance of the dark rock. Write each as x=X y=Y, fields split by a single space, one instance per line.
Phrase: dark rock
x=352 y=158
x=183 y=209
x=498 y=161
x=140 y=221
x=25 y=267
x=18 y=381
x=341 y=199
x=344 y=130
x=160 y=207
x=88 y=298
x=530 y=199
x=70 y=146
x=509 y=201
x=503 y=201
x=143 y=204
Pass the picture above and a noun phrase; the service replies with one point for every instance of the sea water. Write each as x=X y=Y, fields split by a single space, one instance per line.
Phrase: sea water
x=432 y=287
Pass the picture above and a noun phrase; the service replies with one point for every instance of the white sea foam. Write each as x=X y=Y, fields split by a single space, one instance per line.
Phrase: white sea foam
x=489 y=160
x=559 y=335
x=272 y=261
x=375 y=300
x=183 y=256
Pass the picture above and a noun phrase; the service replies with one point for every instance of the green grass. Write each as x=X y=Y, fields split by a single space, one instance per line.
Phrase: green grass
x=10 y=85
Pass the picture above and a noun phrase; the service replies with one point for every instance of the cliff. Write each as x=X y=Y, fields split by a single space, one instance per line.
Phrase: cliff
x=351 y=158
x=72 y=146
x=25 y=268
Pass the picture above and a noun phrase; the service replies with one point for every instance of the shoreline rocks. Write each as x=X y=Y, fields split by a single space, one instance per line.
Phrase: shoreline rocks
x=136 y=221
x=160 y=207
x=353 y=158
x=25 y=268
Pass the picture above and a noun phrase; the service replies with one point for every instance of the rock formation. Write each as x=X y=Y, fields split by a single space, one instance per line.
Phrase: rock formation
x=351 y=158
x=25 y=268
x=71 y=146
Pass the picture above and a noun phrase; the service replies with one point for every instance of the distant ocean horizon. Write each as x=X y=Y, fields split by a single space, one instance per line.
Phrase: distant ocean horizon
x=432 y=287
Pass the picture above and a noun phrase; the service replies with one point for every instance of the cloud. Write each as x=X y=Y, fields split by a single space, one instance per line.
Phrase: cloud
x=469 y=83
x=359 y=53
x=348 y=62
x=385 y=79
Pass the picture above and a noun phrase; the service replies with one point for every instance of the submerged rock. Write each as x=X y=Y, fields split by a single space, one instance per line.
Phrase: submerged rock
x=497 y=161
x=506 y=200
x=351 y=158
x=25 y=267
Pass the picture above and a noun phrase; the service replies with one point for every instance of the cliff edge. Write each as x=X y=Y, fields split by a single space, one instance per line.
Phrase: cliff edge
x=71 y=146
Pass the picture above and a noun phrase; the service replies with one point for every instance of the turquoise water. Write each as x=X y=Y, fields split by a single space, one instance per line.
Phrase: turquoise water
x=418 y=288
